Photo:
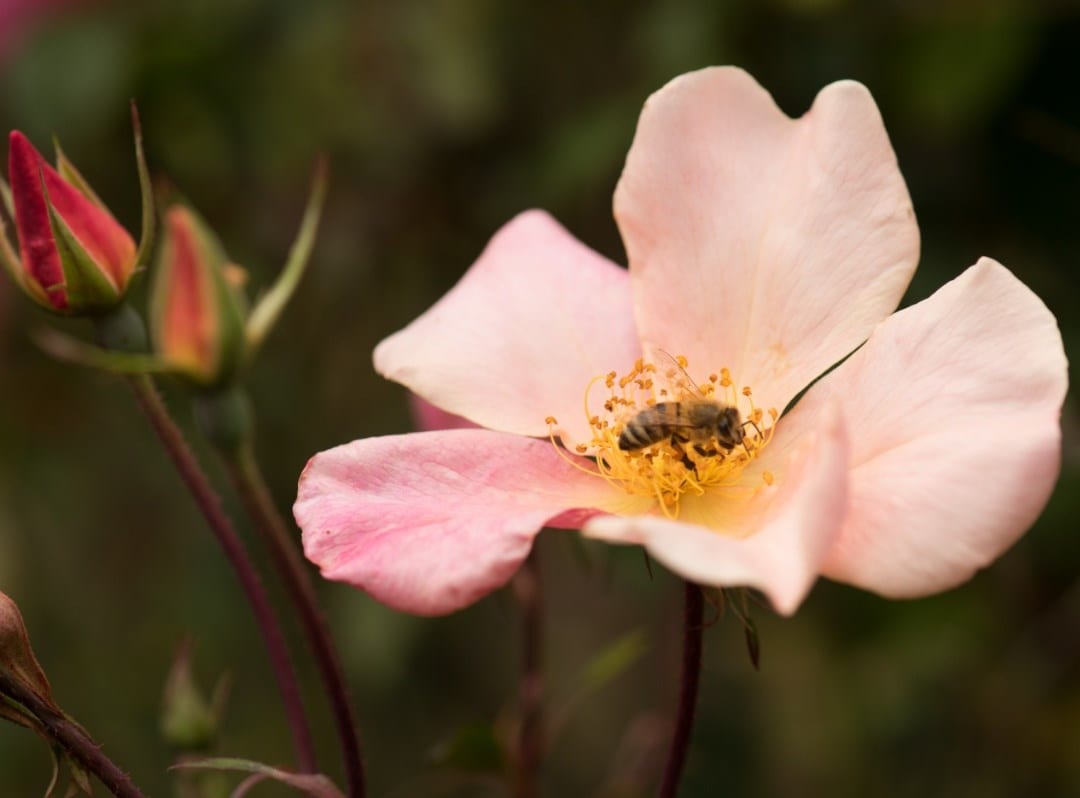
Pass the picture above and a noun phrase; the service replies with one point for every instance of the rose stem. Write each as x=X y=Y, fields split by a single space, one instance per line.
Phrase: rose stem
x=693 y=618
x=172 y=438
x=527 y=589
x=254 y=494
x=69 y=736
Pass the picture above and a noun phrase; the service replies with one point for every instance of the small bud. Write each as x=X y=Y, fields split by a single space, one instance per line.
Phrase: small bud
x=189 y=722
x=196 y=316
x=73 y=256
x=19 y=665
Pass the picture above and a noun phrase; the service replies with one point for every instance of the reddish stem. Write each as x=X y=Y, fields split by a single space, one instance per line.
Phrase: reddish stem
x=530 y=743
x=259 y=504
x=72 y=738
x=188 y=467
x=693 y=619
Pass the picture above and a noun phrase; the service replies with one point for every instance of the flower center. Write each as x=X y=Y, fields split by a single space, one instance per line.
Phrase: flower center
x=660 y=434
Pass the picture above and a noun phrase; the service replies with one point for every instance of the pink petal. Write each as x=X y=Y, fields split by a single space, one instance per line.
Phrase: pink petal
x=186 y=322
x=775 y=543
x=521 y=335
x=38 y=250
x=765 y=244
x=427 y=416
x=430 y=522
x=953 y=407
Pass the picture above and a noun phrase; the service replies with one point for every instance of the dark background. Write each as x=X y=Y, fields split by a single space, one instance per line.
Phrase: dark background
x=442 y=120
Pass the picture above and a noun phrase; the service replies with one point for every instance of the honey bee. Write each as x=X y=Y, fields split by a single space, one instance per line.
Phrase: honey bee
x=706 y=424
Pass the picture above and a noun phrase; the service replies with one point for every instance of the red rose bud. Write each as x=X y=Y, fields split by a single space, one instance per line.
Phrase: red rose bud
x=196 y=316
x=74 y=257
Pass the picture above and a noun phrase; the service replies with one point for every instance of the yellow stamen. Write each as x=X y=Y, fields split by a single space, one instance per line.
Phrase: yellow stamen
x=671 y=466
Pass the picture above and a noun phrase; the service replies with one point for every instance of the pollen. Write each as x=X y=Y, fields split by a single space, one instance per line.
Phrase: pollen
x=686 y=446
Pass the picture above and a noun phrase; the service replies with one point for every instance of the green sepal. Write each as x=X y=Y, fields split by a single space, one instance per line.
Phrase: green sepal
x=87 y=286
x=315 y=785
x=72 y=175
x=146 y=191
x=72 y=350
x=80 y=778
x=5 y=197
x=10 y=259
x=266 y=312
x=14 y=712
x=230 y=306
x=8 y=256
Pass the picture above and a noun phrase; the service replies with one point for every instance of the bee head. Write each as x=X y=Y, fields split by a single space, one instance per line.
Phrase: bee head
x=729 y=426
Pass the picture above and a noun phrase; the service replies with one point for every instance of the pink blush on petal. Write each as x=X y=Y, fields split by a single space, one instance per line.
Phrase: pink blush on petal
x=430 y=522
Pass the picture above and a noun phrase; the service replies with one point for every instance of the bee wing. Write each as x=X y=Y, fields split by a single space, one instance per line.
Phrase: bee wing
x=676 y=372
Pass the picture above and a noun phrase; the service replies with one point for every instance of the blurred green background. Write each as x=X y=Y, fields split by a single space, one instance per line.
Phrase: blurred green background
x=441 y=120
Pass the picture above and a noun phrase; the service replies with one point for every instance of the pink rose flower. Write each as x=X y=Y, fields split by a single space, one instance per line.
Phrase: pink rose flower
x=762 y=251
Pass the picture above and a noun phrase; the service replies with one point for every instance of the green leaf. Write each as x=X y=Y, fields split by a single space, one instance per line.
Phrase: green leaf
x=610 y=663
x=474 y=749
x=614 y=660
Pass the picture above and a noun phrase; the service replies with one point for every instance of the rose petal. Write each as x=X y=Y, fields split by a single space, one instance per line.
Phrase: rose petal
x=37 y=248
x=427 y=416
x=765 y=244
x=430 y=522
x=521 y=335
x=953 y=407
x=776 y=542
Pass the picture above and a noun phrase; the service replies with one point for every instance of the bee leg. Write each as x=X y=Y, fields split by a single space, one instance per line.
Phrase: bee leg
x=677 y=445
x=705 y=452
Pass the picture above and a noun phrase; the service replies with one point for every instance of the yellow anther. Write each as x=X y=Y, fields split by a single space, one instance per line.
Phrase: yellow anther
x=767 y=477
x=667 y=467
x=550 y=420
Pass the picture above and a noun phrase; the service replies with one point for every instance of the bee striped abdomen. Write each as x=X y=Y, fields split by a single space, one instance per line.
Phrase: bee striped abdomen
x=651 y=425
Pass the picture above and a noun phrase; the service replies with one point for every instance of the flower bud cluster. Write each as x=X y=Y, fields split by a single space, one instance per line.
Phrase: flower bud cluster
x=72 y=257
